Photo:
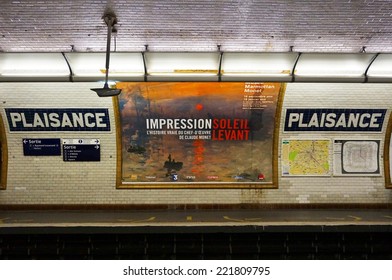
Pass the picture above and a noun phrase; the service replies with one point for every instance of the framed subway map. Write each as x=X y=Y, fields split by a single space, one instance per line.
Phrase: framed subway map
x=356 y=157
x=305 y=158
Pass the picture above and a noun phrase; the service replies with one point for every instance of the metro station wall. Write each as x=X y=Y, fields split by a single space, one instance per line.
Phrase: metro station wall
x=335 y=188
x=51 y=180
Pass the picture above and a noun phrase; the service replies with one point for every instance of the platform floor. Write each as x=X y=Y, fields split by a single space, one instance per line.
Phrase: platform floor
x=239 y=220
x=197 y=234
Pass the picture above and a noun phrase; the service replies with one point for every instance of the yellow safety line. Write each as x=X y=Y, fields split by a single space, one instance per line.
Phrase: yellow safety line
x=23 y=221
x=334 y=218
x=243 y=220
x=355 y=218
x=3 y=219
x=136 y=221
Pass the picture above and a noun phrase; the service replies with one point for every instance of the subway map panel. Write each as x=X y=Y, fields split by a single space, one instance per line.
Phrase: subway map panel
x=305 y=158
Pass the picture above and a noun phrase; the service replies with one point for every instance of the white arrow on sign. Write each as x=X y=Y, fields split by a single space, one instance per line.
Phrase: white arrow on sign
x=81 y=141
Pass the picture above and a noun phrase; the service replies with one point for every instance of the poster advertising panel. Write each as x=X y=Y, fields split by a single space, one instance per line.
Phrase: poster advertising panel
x=198 y=134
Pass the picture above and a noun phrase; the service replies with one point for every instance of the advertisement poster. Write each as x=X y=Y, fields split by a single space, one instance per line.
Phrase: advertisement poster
x=197 y=132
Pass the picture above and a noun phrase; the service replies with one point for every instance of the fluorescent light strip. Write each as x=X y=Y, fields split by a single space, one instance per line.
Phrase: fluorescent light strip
x=34 y=74
x=254 y=75
x=182 y=74
x=331 y=75
x=389 y=75
x=95 y=74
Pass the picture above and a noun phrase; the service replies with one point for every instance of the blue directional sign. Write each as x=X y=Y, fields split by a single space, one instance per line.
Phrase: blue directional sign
x=41 y=147
x=81 y=150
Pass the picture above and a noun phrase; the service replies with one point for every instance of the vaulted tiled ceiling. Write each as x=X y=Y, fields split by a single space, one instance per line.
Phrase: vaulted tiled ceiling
x=198 y=25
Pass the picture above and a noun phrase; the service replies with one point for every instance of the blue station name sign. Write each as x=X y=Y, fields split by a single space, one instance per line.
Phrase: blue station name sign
x=337 y=120
x=59 y=119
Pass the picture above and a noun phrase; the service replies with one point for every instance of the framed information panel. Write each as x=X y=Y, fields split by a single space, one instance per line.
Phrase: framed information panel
x=356 y=157
x=305 y=157
x=198 y=134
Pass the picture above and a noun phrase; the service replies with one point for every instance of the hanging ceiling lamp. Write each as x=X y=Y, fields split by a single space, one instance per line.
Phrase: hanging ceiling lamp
x=110 y=20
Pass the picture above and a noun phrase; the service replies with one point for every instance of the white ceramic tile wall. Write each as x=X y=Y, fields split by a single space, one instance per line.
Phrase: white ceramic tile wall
x=50 y=180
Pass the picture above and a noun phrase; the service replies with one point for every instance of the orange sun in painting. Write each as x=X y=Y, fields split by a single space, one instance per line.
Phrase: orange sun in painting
x=199 y=107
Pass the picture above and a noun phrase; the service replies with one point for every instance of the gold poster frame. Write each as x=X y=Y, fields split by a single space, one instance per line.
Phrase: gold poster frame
x=185 y=185
x=4 y=156
x=387 y=159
